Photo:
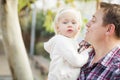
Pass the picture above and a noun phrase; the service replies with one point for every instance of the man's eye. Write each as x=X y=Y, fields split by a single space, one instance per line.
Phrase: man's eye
x=93 y=20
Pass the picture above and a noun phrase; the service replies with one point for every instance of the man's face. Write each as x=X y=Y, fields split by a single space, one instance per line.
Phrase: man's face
x=95 y=28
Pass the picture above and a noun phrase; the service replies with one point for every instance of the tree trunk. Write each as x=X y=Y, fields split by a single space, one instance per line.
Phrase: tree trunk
x=13 y=42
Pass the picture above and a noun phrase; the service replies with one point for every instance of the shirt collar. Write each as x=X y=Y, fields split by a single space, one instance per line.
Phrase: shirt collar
x=109 y=57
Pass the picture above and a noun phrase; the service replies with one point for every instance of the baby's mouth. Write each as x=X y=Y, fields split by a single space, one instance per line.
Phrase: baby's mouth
x=69 y=30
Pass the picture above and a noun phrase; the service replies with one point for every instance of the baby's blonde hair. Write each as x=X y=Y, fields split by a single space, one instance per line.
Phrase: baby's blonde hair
x=62 y=11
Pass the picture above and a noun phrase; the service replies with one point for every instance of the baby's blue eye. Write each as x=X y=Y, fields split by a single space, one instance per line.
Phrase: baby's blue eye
x=65 y=22
x=73 y=22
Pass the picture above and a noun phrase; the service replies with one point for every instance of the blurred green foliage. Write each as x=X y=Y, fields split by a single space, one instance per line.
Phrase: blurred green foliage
x=49 y=20
x=41 y=30
x=39 y=50
x=22 y=4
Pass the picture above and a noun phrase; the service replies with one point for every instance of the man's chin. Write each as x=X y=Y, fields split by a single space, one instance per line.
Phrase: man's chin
x=86 y=39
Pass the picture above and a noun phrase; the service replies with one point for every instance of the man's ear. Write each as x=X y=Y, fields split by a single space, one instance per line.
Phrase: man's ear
x=110 y=29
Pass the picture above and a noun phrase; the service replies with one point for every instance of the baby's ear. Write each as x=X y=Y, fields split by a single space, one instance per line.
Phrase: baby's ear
x=79 y=27
x=57 y=29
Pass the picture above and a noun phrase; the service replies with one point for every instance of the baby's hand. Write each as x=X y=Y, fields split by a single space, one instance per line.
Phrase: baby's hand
x=83 y=45
x=65 y=75
x=89 y=49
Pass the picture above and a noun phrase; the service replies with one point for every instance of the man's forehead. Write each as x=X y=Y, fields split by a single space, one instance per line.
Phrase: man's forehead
x=98 y=12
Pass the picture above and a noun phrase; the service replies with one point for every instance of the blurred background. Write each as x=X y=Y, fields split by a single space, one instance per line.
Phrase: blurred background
x=36 y=18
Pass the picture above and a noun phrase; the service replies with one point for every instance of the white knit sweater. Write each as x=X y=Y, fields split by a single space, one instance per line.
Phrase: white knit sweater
x=65 y=60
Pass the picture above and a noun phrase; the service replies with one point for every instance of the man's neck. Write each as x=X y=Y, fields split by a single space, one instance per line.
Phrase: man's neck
x=103 y=49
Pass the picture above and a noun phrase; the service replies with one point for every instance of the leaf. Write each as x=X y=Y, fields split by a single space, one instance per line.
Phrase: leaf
x=22 y=4
x=48 y=21
x=69 y=1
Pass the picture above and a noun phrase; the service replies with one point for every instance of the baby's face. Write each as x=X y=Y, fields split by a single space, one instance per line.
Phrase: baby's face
x=68 y=24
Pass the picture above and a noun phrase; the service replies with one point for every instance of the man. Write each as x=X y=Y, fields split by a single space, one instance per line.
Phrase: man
x=103 y=32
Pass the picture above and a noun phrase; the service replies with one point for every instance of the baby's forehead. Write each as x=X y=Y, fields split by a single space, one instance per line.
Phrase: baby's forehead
x=73 y=12
x=68 y=15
